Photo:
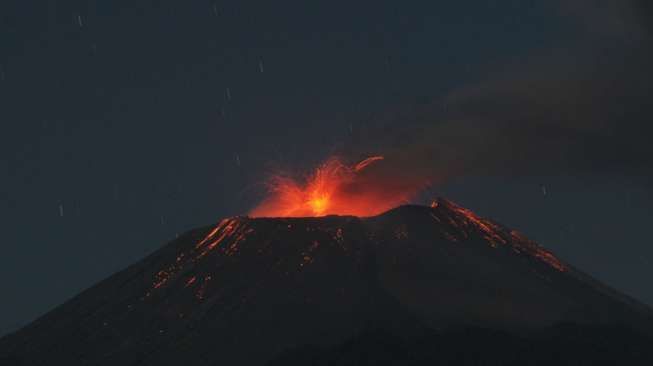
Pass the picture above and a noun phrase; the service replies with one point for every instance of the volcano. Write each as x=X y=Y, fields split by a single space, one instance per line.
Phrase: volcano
x=414 y=285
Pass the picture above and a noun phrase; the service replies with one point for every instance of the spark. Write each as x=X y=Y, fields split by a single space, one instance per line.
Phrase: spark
x=190 y=281
x=363 y=164
x=79 y=21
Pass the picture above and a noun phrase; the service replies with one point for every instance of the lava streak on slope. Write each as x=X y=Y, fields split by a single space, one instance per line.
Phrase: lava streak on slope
x=455 y=225
x=493 y=233
x=336 y=188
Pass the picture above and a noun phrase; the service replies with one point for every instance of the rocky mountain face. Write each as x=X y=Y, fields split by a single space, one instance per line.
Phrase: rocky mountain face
x=251 y=291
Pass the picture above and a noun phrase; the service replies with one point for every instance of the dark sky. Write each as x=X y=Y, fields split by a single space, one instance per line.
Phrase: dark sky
x=127 y=122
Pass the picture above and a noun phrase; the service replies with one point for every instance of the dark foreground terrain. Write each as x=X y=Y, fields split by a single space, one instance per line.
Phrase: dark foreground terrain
x=566 y=344
x=417 y=285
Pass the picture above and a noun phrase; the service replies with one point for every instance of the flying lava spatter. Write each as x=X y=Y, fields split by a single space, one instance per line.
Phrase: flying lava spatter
x=334 y=188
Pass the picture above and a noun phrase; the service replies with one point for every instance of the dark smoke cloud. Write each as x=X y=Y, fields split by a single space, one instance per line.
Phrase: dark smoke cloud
x=584 y=108
x=625 y=18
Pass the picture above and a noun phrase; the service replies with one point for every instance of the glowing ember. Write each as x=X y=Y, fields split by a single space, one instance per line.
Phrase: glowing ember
x=366 y=162
x=336 y=188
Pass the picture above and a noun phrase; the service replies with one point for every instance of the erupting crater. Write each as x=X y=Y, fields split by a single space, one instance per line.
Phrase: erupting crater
x=336 y=188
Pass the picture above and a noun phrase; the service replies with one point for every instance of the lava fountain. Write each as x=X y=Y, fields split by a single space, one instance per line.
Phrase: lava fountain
x=336 y=188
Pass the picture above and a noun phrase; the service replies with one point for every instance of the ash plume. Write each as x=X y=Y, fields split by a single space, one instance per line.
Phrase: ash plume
x=582 y=108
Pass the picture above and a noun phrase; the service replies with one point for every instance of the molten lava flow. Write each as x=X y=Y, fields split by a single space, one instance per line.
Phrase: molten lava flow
x=493 y=233
x=336 y=188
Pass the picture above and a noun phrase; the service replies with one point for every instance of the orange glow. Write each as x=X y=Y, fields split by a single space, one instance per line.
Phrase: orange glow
x=335 y=188
x=496 y=236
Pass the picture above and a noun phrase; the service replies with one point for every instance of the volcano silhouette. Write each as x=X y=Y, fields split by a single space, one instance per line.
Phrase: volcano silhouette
x=415 y=285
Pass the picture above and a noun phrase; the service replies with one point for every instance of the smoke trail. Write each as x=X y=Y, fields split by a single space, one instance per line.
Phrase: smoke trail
x=581 y=109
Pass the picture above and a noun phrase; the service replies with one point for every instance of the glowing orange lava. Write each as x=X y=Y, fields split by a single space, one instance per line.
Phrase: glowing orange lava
x=335 y=188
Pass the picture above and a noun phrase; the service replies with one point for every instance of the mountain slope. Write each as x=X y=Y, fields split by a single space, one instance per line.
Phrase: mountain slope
x=246 y=290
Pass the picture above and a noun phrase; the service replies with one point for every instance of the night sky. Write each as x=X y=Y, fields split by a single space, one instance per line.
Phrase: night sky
x=125 y=123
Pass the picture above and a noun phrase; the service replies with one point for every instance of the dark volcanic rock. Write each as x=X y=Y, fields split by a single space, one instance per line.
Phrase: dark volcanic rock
x=566 y=344
x=247 y=290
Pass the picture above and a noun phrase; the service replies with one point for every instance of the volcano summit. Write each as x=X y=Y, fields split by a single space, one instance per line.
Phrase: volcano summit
x=415 y=285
